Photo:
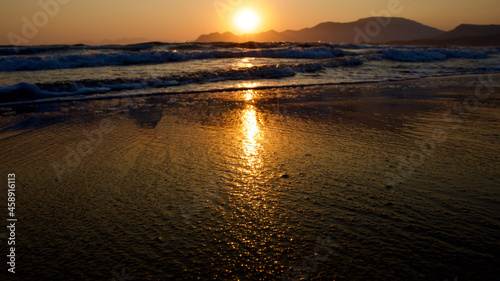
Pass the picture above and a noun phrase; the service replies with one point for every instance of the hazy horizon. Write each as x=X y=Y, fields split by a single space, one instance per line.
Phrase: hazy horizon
x=72 y=22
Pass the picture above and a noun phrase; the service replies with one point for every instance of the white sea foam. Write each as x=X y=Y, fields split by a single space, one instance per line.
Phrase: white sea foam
x=149 y=66
x=36 y=62
x=427 y=55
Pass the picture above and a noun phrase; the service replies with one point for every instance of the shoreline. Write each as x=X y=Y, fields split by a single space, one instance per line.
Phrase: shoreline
x=62 y=100
x=250 y=180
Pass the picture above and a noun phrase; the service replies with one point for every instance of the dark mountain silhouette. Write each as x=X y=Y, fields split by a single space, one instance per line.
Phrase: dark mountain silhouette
x=367 y=30
x=463 y=35
x=471 y=30
x=475 y=41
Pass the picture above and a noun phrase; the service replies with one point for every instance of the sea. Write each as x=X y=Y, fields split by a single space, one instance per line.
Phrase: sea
x=79 y=72
x=254 y=161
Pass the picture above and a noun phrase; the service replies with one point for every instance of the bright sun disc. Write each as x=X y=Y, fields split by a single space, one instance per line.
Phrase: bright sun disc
x=246 y=20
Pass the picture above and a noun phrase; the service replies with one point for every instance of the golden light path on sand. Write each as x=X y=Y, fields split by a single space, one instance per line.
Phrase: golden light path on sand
x=252 y=133
x=207 y=177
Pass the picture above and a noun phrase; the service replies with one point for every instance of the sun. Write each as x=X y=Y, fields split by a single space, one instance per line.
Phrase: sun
x=246 y=20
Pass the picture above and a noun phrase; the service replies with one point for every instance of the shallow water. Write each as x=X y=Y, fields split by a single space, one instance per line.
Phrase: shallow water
x=258 y=184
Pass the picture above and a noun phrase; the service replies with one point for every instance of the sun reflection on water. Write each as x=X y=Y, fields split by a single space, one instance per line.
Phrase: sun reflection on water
x=246 y=63
x=249 y=94
x=252 y=135
x=248 y=85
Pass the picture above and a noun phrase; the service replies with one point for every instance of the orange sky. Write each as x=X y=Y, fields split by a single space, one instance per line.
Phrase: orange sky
x=92 y=21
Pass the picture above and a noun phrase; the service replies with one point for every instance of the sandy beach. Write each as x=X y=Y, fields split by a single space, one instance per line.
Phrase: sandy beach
x=381 y=181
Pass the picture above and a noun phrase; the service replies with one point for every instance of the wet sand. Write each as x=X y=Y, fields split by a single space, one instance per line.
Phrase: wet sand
x=386 y=181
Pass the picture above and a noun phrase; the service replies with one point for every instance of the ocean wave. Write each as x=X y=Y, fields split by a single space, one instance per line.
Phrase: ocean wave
x=429 y=55
x=164 y=53
x=310 y=62
x=34 y=50
x=20 y=63
x=28 y=91
x=30 y=63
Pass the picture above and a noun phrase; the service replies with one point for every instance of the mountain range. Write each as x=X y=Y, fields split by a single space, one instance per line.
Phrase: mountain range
x=374 y=30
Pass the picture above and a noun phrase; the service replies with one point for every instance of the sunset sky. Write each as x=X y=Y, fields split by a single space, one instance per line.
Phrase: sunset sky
x=92 y=21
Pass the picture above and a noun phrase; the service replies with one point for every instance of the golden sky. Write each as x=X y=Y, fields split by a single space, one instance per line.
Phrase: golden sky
x=32 y=22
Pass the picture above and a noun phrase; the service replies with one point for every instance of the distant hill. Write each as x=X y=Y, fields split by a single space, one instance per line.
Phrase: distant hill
x=367 y=30
x=122 y=41
x=462 y=35
x=471 y=30
x=472 y=41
